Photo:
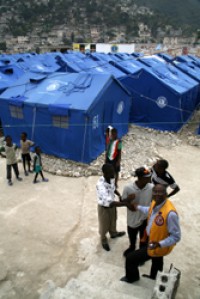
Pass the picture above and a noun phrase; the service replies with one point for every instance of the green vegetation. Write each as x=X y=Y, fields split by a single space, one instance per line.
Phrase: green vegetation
x=180 y=13
x=26 y=14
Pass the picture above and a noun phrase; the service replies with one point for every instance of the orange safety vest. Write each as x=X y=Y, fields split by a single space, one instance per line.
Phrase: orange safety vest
x=159 y=229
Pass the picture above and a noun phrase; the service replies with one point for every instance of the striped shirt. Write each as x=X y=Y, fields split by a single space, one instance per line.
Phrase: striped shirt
x=113 y=149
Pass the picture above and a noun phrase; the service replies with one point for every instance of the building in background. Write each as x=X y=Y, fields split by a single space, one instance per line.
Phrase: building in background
x=104 y=48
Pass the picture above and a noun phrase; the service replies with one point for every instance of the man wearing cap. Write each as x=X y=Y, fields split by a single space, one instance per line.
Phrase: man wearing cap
x=163 y=231
x=137 y=221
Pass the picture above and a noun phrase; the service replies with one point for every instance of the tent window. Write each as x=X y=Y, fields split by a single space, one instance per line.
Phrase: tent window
x=16 y=112
x=61 y=121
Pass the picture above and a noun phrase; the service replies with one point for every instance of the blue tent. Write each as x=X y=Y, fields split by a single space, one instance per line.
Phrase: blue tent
x=66 y=64
x=195 y=59
x=43 y=63
x=6 y=59
x=65 y=114
x=96 y=65
x=191 y=70
x=8 y=75
x=123 y=56
x=163 y=97
x=166 y=57
x=123 y=67
x=137 y=54
x=188 y=58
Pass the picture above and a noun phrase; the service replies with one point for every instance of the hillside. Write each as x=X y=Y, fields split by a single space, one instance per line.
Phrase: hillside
x=182 y=13
x=19 y=17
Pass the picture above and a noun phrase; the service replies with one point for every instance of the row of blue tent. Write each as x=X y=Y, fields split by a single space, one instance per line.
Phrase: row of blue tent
x=66 y=101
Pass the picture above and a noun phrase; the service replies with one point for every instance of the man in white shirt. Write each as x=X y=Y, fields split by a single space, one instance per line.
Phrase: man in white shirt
x=137 y=221
x=107 y=215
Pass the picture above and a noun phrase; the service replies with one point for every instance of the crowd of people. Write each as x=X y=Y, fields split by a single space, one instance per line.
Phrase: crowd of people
x=12 y=162
x=151 y=216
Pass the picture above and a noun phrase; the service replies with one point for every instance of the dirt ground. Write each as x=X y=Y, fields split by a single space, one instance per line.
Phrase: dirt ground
x=50 y=230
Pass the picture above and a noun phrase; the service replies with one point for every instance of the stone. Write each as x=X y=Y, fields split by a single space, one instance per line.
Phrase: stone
x=166 y=284
x=58 y=172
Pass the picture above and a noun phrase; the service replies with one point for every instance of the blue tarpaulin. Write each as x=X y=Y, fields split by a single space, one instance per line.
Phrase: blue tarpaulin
x=66 y=114
x=8 y=75
x=192 y=71
x=163 y=97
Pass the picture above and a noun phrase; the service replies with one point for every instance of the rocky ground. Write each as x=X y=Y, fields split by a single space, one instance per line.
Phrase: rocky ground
x=139 y=148
x=49 y=231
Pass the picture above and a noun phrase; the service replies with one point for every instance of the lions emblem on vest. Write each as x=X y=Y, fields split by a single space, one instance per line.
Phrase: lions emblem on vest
x=159 y=220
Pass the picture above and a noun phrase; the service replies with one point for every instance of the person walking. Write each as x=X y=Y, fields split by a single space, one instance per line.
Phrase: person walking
x=37 y=162
x=163 y=231
x=107 y=216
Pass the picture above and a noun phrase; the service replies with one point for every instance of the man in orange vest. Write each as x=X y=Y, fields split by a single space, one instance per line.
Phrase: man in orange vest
x=163 y=232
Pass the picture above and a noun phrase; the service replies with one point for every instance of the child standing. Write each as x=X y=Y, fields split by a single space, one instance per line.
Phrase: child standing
x=38 y=165
x=11 y=159
x=113 y=153
x=25 y=148
x=108 y=136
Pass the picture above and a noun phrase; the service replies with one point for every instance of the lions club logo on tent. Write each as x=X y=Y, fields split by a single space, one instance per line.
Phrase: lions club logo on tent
x=120 y=107
x=161 y=102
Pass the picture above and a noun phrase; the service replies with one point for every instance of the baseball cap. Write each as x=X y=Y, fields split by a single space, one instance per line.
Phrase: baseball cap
x=142 y=172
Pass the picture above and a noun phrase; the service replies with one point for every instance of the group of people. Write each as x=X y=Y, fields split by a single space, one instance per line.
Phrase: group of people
x=11 y=158
x=150 y=213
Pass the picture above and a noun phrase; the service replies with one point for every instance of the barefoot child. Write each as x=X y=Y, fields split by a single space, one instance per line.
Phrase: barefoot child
x=25 y=149
x=38 y=165
x=11 y=159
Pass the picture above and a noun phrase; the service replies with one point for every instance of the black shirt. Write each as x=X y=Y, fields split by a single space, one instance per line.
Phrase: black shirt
x=166 y=179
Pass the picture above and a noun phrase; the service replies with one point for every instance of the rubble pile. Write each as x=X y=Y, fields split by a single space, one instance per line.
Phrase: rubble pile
x=140 y=147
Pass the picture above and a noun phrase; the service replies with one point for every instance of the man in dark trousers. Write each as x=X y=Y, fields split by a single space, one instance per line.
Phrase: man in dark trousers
x=163 y=233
